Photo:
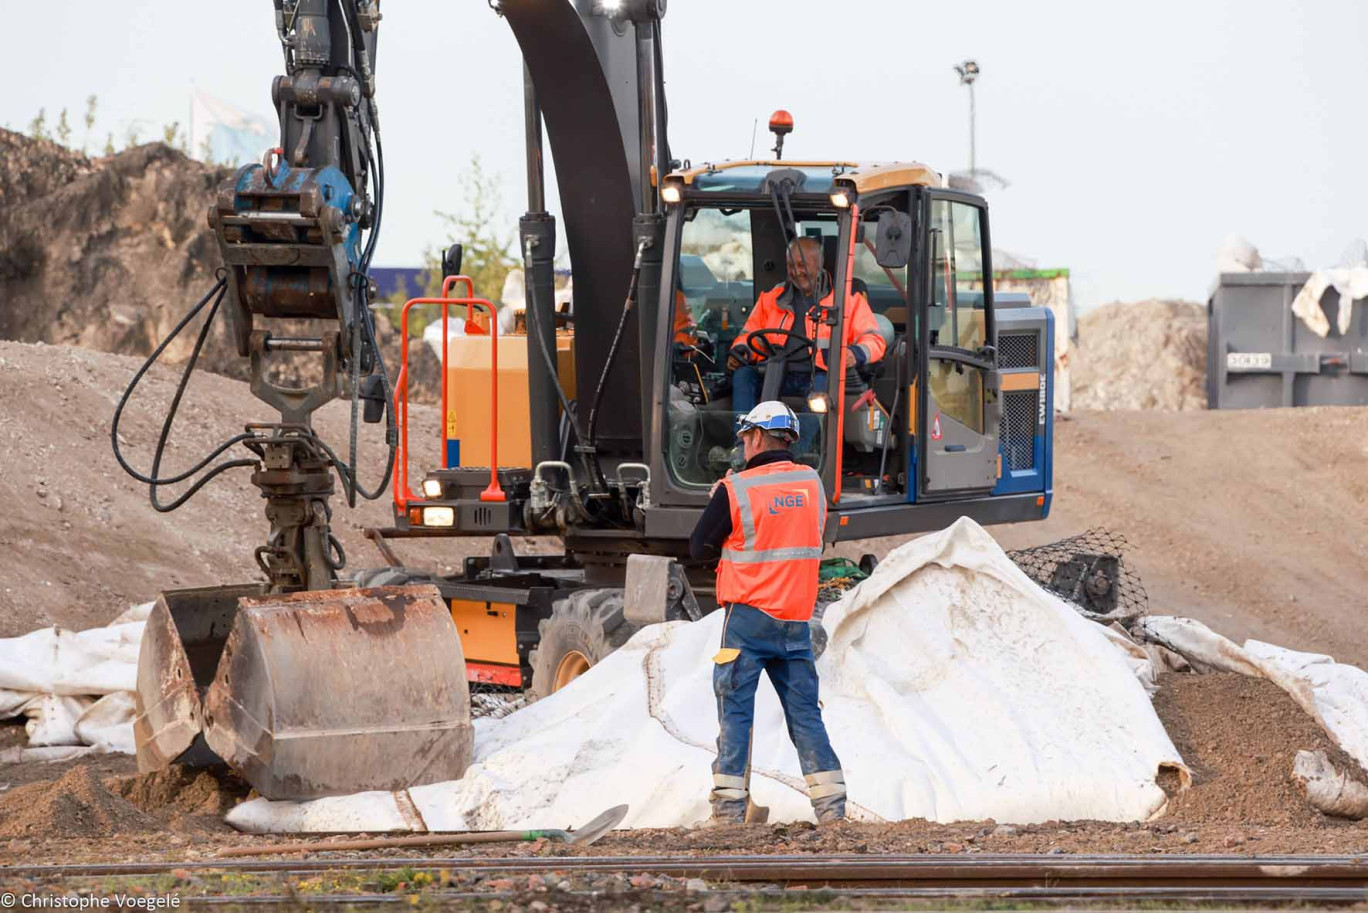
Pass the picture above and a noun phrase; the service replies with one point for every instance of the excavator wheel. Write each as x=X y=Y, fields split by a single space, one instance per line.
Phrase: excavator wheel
x=583 y=628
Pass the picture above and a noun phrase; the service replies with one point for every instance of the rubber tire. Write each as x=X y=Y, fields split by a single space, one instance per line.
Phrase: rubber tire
x=588 y=621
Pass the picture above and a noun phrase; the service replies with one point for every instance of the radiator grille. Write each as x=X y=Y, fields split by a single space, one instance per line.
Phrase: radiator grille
x=1017 y=430
x=1018 y=350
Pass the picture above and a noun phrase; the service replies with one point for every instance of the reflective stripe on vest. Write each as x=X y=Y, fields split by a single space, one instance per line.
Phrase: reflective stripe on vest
x=774 y=567
x=741 y=485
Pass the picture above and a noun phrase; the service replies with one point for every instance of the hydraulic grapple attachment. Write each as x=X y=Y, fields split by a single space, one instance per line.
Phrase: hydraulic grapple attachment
x=309 y=694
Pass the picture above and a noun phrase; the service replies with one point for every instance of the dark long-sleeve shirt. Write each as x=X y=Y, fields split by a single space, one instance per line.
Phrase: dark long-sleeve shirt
x=715 y=525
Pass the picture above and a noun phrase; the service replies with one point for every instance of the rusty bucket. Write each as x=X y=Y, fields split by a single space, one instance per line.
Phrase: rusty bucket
x=309 y=694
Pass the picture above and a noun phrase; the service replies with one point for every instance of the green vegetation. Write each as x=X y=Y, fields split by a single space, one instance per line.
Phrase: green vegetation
x=488 y=251
x=62 y=133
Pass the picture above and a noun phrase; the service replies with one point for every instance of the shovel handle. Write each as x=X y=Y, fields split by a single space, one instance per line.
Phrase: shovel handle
x=380 y=843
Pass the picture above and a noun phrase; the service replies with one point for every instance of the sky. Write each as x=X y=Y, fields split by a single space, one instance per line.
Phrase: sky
x=1135 y=137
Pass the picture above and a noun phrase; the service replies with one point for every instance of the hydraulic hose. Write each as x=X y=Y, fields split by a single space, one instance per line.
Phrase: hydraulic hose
x=154 y=481
x=592 y=438
x=543 y=346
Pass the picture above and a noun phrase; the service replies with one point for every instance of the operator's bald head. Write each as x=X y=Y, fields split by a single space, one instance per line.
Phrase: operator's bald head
x=805 y=263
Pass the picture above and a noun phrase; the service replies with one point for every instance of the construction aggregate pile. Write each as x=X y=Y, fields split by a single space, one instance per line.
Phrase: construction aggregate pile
x=109 y=253
x=1146 y=355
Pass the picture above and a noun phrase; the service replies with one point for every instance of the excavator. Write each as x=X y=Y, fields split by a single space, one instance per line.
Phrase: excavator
x=605 y=424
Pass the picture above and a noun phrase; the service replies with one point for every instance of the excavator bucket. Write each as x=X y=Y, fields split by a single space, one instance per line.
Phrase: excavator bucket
x=180 y=651
x=309 y=694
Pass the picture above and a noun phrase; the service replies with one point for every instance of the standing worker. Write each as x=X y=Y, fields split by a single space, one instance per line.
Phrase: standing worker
x=765 y=524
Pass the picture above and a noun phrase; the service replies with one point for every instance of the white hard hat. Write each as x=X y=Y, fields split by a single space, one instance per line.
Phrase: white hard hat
x=773 y=417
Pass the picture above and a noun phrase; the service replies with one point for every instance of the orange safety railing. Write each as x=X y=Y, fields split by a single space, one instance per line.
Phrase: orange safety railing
x=402 y=493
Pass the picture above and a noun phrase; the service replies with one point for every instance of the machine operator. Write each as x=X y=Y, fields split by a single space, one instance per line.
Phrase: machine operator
x=807 y=292
x=765 y=524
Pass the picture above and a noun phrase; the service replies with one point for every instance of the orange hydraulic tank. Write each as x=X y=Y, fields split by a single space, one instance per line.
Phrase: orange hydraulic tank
x=467 y=418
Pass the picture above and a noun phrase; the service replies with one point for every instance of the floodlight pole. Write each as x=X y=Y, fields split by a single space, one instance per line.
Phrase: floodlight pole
x=968 y=73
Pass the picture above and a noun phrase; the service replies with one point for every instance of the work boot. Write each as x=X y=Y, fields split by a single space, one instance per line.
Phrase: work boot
x=829 y=810
x=727 y=811
x=827 y=790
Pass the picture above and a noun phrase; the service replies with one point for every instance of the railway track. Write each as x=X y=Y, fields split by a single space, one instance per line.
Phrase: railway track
x=1234 y=879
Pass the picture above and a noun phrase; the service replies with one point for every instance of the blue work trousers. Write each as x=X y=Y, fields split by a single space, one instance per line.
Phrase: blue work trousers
x=783 y=650
x=748 y=381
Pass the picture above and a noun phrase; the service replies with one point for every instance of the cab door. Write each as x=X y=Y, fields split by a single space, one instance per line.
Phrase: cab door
x=960 y=414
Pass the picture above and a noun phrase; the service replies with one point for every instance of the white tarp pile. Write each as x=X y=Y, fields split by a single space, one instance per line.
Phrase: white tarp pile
x=74 y=688
x=954 y=688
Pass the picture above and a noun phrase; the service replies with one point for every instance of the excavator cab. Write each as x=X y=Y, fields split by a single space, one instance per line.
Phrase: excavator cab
x=921 y=422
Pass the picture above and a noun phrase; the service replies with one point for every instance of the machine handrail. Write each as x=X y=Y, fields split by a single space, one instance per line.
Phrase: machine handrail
x=402 y=493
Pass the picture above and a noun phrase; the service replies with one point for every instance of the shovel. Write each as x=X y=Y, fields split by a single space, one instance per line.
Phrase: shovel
x=755 y=814
x=579 y=837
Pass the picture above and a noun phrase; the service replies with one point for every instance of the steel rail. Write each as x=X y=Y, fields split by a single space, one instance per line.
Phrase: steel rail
x=977 y=871
x=1044 y=895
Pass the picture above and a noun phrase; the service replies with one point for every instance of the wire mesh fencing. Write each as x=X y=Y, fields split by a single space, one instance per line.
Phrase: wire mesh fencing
x=495 y=701
x=1089 y=572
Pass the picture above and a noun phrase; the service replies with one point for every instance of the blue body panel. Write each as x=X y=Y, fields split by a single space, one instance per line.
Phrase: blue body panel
x=1039 y=478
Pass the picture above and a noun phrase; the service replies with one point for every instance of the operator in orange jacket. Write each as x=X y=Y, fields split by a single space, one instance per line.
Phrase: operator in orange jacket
x=807 y=292
x=765 y=525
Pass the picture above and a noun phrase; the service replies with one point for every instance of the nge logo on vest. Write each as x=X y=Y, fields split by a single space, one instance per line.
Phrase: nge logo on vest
x=783 y=502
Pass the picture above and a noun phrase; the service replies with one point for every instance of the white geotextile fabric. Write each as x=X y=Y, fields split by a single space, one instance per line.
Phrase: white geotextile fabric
x=954 y=688
x=75 y=688
x=1334 y=694
x=1352 y=285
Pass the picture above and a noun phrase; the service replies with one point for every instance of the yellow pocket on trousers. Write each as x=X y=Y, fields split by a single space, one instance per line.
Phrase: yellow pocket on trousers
x=726 y=655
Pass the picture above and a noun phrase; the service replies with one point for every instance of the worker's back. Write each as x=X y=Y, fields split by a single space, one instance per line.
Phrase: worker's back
x=770 y=559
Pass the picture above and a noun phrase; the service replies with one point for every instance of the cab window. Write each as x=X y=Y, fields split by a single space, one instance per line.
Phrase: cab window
x=957 y=316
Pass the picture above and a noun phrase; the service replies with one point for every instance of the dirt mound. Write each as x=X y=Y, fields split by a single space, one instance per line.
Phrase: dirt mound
x=1149 y=355
x=32 y=168
x=78 y=536
x=109 y=254
x=1239 y=736
x=178 y=790
x=77 y=805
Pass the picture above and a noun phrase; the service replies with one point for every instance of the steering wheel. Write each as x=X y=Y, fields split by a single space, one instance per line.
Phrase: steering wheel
x=795 y=344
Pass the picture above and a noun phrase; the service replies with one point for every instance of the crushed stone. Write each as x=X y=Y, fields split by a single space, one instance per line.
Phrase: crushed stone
x=1146 y=355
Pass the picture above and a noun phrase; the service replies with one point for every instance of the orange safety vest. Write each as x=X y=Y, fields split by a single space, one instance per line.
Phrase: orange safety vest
x=770 y=560
x=773 y=311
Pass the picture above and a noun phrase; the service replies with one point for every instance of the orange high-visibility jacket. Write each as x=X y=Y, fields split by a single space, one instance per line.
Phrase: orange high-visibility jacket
x=685 y=330
x=770 y=560
x=774 y=310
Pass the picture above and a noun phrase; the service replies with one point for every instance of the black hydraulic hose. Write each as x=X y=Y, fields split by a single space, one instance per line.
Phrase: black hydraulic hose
x=592 y=437
x=567 y=414
x=152 y=359
x=171 y=417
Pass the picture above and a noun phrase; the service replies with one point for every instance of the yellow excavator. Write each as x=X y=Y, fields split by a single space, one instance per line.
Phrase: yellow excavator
x=604 y=424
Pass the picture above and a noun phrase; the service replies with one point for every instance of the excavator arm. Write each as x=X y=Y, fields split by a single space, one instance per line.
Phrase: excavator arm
x=305 y=687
